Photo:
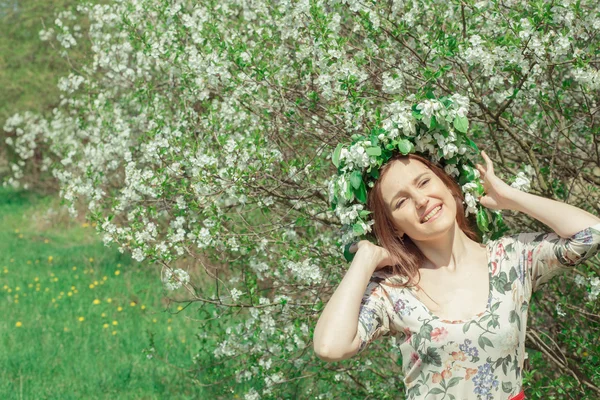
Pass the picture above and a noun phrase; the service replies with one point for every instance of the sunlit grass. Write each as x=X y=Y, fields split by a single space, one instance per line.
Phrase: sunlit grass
x=79 y=319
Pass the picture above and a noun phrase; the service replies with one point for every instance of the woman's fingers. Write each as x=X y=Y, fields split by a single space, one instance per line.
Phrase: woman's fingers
x=488 y=162
x=352 y=248
x=480 y=169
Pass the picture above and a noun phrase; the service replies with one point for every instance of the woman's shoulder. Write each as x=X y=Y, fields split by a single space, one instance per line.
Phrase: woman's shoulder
x=387 y=277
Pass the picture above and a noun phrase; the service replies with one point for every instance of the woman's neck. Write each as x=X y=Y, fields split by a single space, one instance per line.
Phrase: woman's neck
x=449 y=251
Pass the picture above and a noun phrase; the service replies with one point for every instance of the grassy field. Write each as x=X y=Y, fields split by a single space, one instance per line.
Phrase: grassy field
x=78 y=316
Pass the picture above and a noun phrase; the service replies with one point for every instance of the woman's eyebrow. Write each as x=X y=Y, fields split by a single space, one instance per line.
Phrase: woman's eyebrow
x=399 y=192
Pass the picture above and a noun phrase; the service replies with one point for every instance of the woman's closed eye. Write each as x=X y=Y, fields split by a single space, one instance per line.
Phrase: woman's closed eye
x=423 y=182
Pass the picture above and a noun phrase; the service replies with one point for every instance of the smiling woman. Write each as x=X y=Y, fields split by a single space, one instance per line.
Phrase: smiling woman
x=409 y=188
x=458 y=308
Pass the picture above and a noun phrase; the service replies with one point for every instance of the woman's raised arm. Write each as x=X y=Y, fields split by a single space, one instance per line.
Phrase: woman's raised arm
x=336 y=333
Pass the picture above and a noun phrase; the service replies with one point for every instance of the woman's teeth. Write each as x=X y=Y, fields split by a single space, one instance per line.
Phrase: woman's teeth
x=432 y=213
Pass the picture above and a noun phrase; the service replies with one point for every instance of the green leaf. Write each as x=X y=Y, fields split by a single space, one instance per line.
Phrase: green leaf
x=436 y=391
x=349 y=195
x=364 y=213
x=336 y=155
x=347 y=254
x=483 y=220
x=472 y=145
x=467 y=326
x=357 y=228
x=355 y=179
x=454 y=381
x=461 y=124
x=361 y=193
x=374 y=173
x=374 y=151
x=405 y=146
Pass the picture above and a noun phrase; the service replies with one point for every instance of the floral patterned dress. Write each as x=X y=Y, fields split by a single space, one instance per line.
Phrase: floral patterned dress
x=482 y=357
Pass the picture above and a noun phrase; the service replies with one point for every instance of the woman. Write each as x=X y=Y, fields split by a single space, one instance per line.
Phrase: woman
x=458 y=307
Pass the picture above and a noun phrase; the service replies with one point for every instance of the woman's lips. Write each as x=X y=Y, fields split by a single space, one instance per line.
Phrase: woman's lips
x=435 y=216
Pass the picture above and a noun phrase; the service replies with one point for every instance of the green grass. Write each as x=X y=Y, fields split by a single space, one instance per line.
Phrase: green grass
x=52 y=269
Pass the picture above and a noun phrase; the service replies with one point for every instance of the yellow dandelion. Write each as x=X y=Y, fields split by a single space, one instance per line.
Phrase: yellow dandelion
x=17 y=288
x=55 y=279
x=62 y=293
x=117 y=272
x=28 y=261
x=73 y=288
x=36 y=279
x=114 y=332
x=37 y=289
x=75 y=291
x=93 y=224
x=17 y=301
x=115 y=322
x=179 y=308
x=154 y=320
x=50 y=258
x=169 y=320
x=30 y=285
x=20 y=236
x=76 y=277
x=9 y=290
x=120 y=309
x=143 y=307
x=5 y=270
x=46 y=241
x=104 y=278
x=91 y=259
x=96 y=283
x=16 y=231
x=12 y=260
x=96 y=301
x=585 y=354
x=105 y=326
x=132 y=304
x=54 y=300
x=70 y=294
x=169 y=328
x=91 y=285
x=37 y=261
x=118 y=265
x=47 y=290
x=66 y=329
x=85 y=225
x=51 y=273
x=81 y=319
x=103 y=315
x=182 y=340
x=74 y=268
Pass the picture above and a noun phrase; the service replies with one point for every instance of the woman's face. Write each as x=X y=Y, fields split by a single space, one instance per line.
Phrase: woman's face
x=411 y=191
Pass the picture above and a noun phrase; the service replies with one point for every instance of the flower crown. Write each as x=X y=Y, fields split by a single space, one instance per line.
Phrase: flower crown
x=433 y=128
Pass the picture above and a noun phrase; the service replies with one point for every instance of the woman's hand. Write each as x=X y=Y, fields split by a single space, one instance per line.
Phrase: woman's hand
x=497 y=193
x=372 y=250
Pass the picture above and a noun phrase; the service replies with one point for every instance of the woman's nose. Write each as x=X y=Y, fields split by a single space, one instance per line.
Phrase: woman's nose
x=421 y=201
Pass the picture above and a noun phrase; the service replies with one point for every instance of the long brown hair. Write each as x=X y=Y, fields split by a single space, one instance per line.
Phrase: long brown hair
x=406 y=256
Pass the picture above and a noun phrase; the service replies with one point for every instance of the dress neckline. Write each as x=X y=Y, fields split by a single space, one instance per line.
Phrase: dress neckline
x=488 y=248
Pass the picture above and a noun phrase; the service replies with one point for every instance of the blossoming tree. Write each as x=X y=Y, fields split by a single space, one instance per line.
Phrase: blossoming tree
x=205 y=131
